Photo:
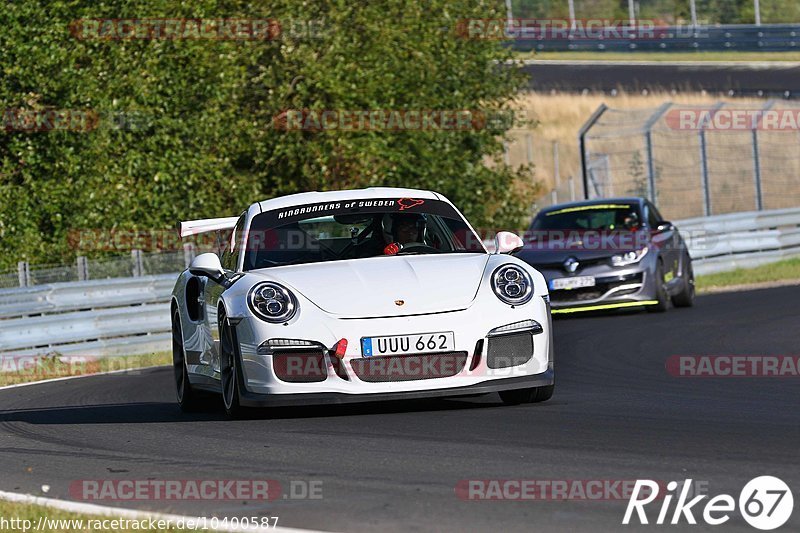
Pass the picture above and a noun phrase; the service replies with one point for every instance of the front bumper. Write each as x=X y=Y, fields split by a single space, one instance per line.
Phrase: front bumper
x=343 y=380
x=615 y=288
x=249 y=399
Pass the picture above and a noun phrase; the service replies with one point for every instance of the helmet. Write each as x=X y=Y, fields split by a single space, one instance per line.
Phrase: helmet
x=631 y=221
x=392 y=222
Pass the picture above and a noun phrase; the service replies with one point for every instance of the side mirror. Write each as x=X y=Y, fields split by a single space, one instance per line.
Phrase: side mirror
x=207 y=265
x=506 y=242
x=664 y=225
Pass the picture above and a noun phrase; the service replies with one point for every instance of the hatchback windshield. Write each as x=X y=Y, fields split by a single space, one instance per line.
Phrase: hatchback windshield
x=601 y=217
x=355 y=229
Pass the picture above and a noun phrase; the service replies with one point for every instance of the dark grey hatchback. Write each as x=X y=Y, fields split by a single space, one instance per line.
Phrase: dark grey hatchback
x=609 y=253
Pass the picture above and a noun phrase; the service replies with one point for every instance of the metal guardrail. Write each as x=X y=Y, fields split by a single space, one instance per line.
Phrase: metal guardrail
x=742 y=240
x=131 y=315
x=745 y=37
x=97 y=318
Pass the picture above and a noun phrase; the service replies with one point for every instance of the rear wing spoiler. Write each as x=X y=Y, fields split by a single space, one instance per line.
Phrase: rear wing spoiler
x=195 y=227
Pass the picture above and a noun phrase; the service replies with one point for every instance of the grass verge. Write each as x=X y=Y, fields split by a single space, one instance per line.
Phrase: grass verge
x=23 y=369
x=26 y=517
x=780 y=271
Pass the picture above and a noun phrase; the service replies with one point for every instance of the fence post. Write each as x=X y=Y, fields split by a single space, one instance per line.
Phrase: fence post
x=704 y=163
x=554 y=197
x=651 y=162
x=506 y=153
x=584 y=149
x=24 y=271
x=83 y=268
x=556 y=165
x=529 y=147
x=188 y=253
x=757 y=158
x=571 y=189
x=138 y=267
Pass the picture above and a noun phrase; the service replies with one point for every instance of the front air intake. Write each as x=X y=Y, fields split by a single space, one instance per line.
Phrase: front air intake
x=409 y=367
x=509 y=350
x=300 y=366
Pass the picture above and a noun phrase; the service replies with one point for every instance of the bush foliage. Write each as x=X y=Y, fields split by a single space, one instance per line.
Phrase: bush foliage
x=186 y=126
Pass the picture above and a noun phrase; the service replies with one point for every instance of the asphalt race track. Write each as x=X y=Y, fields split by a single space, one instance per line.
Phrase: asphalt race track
x=774 y=79
x=616 y=415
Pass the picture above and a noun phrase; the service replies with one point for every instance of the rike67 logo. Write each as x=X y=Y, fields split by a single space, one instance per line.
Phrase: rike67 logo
x=765 y=503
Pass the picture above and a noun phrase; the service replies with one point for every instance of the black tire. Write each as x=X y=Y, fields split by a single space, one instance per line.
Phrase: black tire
x=685 y=298
x=661 y=291
x=532 y=395
x=189 y=399
x=229 y=370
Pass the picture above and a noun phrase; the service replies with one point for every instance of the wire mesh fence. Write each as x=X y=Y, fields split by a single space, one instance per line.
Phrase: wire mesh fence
x=137 y=263
x=697 y=160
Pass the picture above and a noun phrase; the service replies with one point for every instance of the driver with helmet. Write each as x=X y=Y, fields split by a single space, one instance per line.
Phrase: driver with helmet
x=401 y=230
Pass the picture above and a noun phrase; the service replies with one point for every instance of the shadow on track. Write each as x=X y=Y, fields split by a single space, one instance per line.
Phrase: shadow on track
x=160 y=412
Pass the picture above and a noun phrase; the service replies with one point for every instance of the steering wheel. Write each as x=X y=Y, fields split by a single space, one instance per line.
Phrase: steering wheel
x=412 y=247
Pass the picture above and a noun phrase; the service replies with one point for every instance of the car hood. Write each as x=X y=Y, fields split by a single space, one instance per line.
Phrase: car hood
x=371 y=287
x=553 y=248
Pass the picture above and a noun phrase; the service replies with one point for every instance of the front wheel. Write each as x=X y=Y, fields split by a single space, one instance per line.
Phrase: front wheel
x=230 y=374
x=532 y=395
x=662 y=298
x=189 y=399
x=685 y=298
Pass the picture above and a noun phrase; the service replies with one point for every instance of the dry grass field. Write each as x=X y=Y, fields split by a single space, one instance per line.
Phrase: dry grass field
x=559 y=117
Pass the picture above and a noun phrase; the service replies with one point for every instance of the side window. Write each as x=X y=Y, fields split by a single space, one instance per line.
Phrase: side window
x=230 y=254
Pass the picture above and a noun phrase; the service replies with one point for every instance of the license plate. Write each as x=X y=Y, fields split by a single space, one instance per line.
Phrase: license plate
x=408 y=344
x=572 y=283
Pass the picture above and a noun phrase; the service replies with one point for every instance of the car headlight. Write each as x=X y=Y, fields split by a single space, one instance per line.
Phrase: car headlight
x=629 y=258
x=512 y=285
x=272 y=302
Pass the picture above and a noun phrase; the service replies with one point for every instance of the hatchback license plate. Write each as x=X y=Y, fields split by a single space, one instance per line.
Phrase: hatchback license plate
x=577 y=282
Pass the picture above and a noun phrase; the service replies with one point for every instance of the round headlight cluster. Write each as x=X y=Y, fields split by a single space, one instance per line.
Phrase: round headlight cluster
x=272 y=302
x=512 y=285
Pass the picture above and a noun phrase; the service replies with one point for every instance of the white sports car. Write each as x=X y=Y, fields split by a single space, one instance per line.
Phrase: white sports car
x=361 y=295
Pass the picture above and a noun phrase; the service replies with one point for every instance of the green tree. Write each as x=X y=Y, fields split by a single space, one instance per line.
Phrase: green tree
x=204 y=143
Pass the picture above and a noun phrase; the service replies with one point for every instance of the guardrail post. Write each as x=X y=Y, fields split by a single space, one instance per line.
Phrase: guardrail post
x=24 y=271
x=83 y=268
x=138 y=267
x=188 y=253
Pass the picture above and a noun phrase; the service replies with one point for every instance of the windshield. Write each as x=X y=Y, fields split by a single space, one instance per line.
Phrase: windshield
x=356 y=229
x=601 y=217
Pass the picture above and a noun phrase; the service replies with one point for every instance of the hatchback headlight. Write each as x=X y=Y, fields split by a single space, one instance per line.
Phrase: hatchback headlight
x=629 y=258
x=272 y=302
x=512 y=285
